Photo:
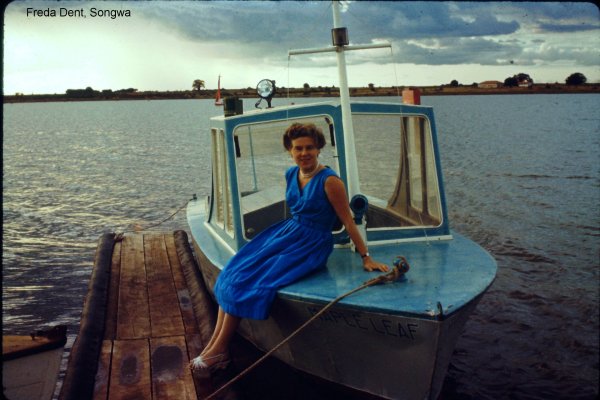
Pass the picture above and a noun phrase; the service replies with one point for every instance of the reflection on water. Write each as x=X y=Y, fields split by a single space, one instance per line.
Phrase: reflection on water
x=521 y=175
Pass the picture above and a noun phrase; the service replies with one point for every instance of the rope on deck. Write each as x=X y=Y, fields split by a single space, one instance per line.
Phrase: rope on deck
x=400 y=268
x=119 y=236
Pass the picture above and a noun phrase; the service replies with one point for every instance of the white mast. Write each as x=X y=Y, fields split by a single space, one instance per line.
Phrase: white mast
x=350 y=150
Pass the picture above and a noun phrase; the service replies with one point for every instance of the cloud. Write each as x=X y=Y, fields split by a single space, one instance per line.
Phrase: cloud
x=246 y=38
x=410 y=20
x=582 y=26
x=459 y=51
x=251 y=22
x=464 y=32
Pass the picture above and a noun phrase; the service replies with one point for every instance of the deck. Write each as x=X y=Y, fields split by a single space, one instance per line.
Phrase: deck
x=145 y=316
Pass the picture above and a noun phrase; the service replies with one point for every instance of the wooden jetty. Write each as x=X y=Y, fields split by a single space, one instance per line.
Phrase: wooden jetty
x=146 y=315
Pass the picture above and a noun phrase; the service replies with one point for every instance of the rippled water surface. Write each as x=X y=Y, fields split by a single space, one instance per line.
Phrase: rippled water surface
x=522 y=179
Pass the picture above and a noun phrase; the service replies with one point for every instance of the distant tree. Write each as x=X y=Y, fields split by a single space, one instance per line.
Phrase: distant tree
x=521 y=77
x=511 y=82
x=198 y=84
x=129 y=90
x=371 y=86
x=518 y=79
x=88 y=92
x=454 y=83
x=576 y=79
x=306 y=88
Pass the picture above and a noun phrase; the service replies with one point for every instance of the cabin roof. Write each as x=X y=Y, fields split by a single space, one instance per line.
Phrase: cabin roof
x=364 y=105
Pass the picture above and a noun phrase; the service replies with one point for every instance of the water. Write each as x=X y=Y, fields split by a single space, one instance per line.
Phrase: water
x=522 y=179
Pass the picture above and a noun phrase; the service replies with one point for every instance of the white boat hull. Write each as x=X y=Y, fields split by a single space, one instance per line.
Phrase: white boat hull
x=390 y=356
x=31 y=377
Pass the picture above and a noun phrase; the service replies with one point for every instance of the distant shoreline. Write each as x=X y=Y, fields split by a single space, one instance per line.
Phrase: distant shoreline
x=444 y=90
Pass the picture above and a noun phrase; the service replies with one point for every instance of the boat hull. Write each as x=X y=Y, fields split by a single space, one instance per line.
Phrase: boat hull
x=391 y=356
x=32 y=377
x=30 y=365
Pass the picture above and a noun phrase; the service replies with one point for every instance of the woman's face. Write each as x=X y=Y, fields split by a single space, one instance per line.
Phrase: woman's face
x=304 y=151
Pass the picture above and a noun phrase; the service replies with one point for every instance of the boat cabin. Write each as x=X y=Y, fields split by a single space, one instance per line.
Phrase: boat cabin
x=397 y=160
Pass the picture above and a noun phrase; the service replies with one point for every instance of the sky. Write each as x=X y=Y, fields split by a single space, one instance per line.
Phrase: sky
x=166 y=45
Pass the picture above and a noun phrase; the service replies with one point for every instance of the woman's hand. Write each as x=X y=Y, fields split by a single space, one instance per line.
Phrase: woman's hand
x=371 y=265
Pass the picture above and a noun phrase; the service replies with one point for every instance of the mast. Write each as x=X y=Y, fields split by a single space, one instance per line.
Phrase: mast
x=218 y=99
x=350 y=149
x=340 y=46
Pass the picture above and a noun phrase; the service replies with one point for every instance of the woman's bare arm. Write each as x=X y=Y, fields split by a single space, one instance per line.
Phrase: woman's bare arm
x=336 y=193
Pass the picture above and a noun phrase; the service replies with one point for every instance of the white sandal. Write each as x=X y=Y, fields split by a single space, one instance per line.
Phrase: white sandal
x=199 y=363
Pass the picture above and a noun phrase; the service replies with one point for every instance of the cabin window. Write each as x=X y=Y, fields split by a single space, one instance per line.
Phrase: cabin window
x=223 y=207
x=397 y=170
x=261 y=162
x=415 y=145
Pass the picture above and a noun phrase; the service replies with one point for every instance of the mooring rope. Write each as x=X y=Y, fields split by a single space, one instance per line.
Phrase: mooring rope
x=400 y=268
x=119 y=235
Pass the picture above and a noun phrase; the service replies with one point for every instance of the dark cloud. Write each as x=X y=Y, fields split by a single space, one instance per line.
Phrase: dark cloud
x=466 y=32
x=579 y=27
x=460 y=51
x=555 y=11
x=408 y=20
x=250 y=22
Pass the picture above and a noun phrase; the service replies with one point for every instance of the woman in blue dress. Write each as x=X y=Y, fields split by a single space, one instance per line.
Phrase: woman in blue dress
x=286 y=251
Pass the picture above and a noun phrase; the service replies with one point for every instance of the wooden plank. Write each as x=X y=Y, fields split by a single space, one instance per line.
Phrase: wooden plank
x=178 y=277
x=183 y=294
x=165 y=316
x=110 y=328
x=130 y=370
x=171 y=377
x=133 y=317
x=103 y=372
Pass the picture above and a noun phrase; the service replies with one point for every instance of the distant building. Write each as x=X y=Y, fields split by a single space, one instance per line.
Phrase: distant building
x=489 y=84
x=525 y=83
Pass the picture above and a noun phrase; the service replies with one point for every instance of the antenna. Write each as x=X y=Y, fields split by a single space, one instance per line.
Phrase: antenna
x=340 y=41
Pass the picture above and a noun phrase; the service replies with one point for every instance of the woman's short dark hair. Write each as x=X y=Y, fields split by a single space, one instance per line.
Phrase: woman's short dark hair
x=297 y=130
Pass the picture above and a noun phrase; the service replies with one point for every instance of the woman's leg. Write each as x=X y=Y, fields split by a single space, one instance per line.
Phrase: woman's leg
x=218 y=346
x=217 y=330
x=221 y=343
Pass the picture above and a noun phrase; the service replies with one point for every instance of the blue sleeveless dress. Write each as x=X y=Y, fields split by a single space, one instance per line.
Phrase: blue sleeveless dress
x=281 y=254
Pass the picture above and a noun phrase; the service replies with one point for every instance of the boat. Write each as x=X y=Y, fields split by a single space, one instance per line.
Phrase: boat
x=218 y=100
x=395 y=340
x=31 y=363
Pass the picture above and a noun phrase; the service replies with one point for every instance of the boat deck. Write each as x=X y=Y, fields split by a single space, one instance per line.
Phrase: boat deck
x=151 y=325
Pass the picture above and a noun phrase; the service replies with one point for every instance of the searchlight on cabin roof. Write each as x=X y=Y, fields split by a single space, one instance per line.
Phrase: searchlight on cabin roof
x=266 y=90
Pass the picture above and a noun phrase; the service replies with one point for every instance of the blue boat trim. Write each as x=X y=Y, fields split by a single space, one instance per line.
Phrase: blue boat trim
x=451 y=272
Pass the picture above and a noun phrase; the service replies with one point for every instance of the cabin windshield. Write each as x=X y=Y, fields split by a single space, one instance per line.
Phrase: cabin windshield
x=261 y=162
x=397 y=170
x=223 y=207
